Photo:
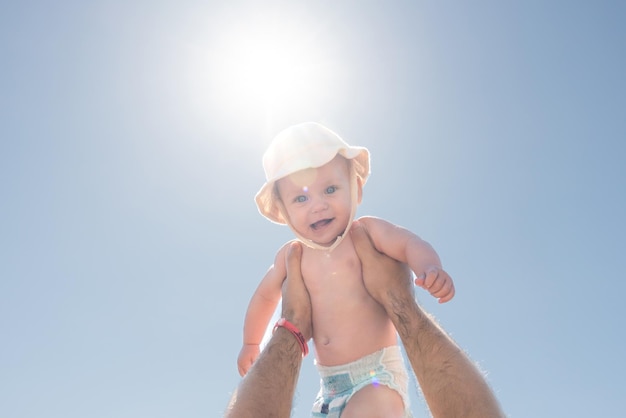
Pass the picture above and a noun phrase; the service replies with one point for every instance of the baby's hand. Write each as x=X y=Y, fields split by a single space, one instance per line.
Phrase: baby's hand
x=248 y=355
x=438 y=283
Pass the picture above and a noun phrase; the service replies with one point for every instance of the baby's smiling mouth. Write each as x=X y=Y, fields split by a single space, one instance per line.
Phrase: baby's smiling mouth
x=320 y=224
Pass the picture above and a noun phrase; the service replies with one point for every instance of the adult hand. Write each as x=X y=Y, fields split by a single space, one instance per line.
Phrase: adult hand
x=451 y=383
x=387 y=280
x=267 y=390
x=296 y=300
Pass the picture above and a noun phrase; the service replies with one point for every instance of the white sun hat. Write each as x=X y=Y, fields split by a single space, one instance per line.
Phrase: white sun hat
x=302 y=146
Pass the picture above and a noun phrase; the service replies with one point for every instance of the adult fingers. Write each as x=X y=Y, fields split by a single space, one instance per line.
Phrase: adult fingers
x=362 y=242
x=382 y=275
x=294 y=258
x=372 y=262
x=296 y=299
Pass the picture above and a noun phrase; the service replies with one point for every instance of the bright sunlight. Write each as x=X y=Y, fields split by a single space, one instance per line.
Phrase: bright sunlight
x=273 y=62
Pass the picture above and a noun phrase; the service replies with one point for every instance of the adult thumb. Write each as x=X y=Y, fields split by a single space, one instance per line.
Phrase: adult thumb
x=294 y=257
x=362 y=241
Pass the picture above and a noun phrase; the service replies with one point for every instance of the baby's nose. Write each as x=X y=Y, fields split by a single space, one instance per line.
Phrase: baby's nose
x=319 y=203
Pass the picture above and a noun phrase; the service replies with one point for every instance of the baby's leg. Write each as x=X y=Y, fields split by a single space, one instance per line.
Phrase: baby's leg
x=374 y=401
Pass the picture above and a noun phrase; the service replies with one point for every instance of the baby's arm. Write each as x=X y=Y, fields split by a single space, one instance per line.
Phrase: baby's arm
x=262 y=305
x=405 y=246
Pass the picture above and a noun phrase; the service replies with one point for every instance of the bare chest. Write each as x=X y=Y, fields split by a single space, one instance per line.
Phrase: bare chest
x=333 y=275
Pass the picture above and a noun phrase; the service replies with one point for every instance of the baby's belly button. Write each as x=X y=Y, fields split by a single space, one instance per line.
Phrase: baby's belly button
x=324 y=341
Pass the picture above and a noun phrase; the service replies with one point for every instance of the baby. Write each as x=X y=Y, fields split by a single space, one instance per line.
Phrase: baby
x=314 y=183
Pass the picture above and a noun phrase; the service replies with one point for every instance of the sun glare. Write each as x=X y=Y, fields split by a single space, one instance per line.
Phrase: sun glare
x=269 y=63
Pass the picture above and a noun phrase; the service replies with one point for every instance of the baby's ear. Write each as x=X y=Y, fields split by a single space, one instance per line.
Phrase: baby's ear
x=359 y=185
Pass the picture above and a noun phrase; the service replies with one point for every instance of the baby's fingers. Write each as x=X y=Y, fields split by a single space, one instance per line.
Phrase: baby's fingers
x=243 y=370
x=438 y=283
x=446 y=293
x=419 y=280
x=432 y=280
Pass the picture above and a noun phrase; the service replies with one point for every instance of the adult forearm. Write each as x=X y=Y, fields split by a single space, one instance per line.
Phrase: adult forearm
x=268 y=388
x=451 y=383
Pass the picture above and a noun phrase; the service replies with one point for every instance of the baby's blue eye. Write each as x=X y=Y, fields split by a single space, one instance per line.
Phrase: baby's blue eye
x=331 y=189
x=300 y=199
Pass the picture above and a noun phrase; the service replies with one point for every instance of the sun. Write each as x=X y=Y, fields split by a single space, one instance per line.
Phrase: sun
x=271 y=62
x=270 y=68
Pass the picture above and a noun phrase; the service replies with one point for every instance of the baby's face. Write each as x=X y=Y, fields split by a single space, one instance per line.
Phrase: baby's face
x=317 y=200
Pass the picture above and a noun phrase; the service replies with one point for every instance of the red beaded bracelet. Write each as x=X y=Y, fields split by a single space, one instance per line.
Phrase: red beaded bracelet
x=282 y=322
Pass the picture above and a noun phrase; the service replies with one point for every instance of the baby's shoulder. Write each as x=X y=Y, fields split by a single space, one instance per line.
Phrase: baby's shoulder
x=369 y=219
x=386 y=236
x=374 y=223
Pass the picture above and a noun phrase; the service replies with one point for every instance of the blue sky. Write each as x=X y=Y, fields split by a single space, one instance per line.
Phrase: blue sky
x=132 y=135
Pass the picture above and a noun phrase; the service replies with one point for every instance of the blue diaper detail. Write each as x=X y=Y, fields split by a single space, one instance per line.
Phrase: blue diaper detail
x=340 y=383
